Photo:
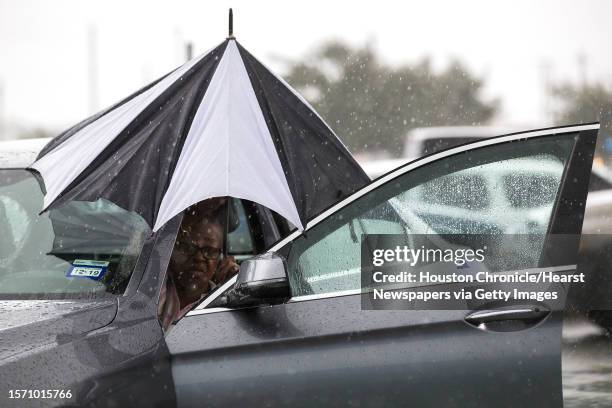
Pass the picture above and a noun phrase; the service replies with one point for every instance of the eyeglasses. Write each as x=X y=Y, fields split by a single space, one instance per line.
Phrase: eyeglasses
x=208 y=253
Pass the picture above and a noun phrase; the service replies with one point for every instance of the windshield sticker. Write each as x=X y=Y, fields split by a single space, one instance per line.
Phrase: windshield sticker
x=85 y=268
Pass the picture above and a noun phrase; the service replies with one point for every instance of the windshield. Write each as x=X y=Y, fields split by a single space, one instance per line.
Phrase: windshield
x=81 y=249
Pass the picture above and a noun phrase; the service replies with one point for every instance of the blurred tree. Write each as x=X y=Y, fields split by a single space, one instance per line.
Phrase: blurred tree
x=582 y=103
x=371 y=105
x=34 y=133
x=587 y=103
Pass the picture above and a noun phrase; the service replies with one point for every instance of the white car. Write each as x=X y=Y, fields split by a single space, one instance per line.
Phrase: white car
x=424 y=141
x=427 y=140
x=598 y=215
x=20 y=152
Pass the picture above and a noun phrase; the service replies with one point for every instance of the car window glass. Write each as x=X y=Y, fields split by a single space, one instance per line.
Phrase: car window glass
x=330 y=264
x=467 y=191
x=16 y=217
x=508 y=196
x=240 y=241
x=79 y=249
x=530 y=190
x=327 y=258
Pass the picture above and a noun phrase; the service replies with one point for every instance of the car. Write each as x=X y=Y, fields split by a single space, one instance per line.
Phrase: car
x=289 y=329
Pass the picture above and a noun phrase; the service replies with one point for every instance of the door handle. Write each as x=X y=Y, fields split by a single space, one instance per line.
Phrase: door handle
x=530 y=314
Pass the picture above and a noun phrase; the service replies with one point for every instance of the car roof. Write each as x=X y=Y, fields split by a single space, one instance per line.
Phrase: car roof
x=20 y=153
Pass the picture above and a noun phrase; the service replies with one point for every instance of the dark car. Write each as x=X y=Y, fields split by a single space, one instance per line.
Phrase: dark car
x=289 y=329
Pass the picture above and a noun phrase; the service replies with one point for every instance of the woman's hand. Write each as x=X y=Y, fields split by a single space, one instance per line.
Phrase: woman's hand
x=227 y=268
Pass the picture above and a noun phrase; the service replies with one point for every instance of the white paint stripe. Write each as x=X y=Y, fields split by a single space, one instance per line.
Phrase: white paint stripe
x=229 y=150
x=67 y=161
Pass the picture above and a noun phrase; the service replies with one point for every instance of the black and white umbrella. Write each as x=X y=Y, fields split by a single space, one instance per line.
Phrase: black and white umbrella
x=220 y=125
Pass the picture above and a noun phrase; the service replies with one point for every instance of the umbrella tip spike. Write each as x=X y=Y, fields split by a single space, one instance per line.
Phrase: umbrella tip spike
x=231 y=24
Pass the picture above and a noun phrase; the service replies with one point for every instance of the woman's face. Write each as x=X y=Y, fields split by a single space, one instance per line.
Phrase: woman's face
x=196 y=255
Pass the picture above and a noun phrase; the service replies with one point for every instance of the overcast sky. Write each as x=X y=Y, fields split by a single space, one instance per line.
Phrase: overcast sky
x=44 y=53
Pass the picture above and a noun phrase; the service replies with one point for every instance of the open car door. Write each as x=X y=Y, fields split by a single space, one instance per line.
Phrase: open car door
x=321 y=347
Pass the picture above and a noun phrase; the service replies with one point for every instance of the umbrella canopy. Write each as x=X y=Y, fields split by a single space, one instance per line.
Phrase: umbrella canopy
x=220 y=125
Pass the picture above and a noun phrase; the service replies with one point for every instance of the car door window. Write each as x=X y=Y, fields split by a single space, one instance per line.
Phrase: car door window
x=327 y=258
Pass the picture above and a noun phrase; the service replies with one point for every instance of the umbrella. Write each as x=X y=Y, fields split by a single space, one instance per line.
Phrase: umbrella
x=93 y=228
x=222 y=124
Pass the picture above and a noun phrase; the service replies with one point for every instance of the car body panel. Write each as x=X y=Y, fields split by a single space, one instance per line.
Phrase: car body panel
x=42 y=321
x=329 y=352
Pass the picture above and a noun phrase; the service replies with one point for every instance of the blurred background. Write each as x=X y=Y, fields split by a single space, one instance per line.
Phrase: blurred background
x=395 y=80
x=374 y=70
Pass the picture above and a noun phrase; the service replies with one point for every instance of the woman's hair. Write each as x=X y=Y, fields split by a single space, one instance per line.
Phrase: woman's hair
x=215 y=211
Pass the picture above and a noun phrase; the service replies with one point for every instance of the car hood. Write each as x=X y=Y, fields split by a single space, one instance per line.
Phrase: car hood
x=29 y=326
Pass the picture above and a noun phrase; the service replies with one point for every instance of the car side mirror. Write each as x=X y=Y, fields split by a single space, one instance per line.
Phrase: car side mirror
x=261 y=280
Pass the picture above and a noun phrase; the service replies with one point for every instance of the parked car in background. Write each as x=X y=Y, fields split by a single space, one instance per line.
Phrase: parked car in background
x=427 y=140
x=424 y=141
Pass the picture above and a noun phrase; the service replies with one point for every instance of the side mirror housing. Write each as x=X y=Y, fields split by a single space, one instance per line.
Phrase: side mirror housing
x=261 y=279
